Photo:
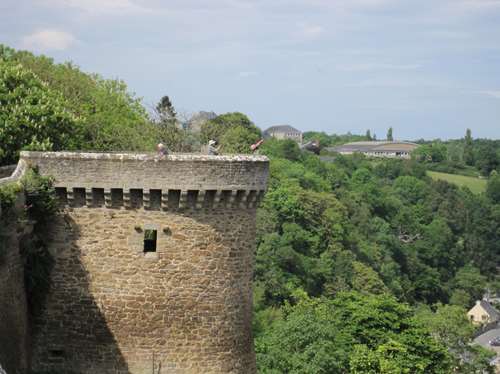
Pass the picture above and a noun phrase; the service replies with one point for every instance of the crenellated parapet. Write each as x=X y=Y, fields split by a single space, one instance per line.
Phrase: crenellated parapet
x=173 y=182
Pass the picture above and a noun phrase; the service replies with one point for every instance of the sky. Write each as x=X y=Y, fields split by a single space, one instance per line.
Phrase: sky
x=428 y=68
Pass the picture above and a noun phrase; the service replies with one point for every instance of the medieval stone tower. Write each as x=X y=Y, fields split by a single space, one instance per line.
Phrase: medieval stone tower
x=153 y=263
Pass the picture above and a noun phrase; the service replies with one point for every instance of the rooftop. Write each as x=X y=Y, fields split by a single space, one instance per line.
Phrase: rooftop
x=282 y=128
x=492 y=312
x=373 y=146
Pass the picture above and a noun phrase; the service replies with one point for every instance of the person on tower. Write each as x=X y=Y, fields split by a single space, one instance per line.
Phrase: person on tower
x=212 y=149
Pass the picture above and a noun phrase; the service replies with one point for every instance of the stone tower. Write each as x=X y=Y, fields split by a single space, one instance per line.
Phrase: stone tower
x=153 y=263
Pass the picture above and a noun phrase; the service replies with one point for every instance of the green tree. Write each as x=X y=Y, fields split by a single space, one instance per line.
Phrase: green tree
x=363 y=333
x=435 y=152
x=215 y=128
x=238 y=140
x=389 y=135
x=470 y=280
x=166 y=110
x=487 y=158
x=368 y=135
x=493 y=188
x=450 y=326
x=32 y=115
x=110 y=117
x=468 y=149
x=170 y=132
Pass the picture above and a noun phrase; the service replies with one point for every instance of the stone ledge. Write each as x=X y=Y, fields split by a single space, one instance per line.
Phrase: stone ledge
x=131 y=156
x=17 y=174
x=149 y=172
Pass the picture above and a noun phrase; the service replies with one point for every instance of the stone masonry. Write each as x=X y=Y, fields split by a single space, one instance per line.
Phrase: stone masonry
x=14 y=334
x=153 y=263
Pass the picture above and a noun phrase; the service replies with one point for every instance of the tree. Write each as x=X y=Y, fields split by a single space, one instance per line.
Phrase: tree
x=434 y=152
x=171 y=134
x=368 y=135
x=493 y=187
x=351 y=333
x=468 y=149
x=238 y=140
x=450 y=326
x=233 y=131
x=389 y=135
x=110 y=117
x=32 y=116
x=487 y=158
x=470 y=280
x=166 y=110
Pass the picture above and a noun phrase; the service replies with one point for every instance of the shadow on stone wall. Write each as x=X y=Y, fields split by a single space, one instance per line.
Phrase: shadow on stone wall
x=13 y=306
x=69 y=332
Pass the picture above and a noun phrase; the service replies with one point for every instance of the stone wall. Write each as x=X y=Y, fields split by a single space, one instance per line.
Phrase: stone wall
x=116 y=306
x=185 y=308
x=145 y=171
x=13 y=306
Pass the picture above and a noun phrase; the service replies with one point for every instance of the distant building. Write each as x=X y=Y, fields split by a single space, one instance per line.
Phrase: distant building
x=393 y=149
x=283 y=132
x=483 y=313
x=198 y=119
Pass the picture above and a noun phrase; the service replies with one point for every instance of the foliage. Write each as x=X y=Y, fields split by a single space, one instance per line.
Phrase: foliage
x=238 y=140
x=95 y=114
x=434 y=152
x=493 y=188
x=475 y=184
x=32 y=114
x=286 y=149
x=374 y=227
x=390 y=137
x=468 y=156
x=8 y=195
x=450 y=326
x=215 y=128
x=363 y=333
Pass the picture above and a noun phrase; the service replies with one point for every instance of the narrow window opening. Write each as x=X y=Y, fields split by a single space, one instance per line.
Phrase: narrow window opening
x=56 y=353
x=150 y=240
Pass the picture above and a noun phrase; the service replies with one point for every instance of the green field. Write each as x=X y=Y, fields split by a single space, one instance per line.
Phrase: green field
x=476 y=185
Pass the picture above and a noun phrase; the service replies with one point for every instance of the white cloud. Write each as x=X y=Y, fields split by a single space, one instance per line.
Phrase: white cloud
x=48 y=40
x=378 y=66
x=310 y=31
x=100 y=6
x=491 y=93
x=247 y=74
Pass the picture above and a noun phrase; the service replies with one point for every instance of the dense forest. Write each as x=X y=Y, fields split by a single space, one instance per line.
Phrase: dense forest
x=362 y=265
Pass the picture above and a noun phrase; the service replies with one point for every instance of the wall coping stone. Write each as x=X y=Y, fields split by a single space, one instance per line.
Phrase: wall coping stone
x=17 y=174
x=132 y=156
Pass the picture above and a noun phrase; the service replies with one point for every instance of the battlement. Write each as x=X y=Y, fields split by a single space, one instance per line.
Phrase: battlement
x=135 y=180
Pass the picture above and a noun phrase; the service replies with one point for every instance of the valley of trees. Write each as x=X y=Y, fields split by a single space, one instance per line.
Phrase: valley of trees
x=362 y=266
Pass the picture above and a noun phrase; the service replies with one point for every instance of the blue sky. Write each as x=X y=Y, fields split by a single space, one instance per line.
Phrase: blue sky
x=428 y=68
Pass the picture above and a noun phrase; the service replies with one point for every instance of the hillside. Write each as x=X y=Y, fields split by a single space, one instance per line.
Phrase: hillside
x=475 y=184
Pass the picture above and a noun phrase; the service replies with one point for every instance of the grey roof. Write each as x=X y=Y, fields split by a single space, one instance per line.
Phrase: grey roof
x=373 y=146
x=492 y=312
x=281 y=128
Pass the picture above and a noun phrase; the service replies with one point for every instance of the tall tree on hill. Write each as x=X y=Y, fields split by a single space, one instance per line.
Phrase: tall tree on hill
x=368 y=135
x=389 y=135
x=165 y=109
x=170 y=133
x=468 y=149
